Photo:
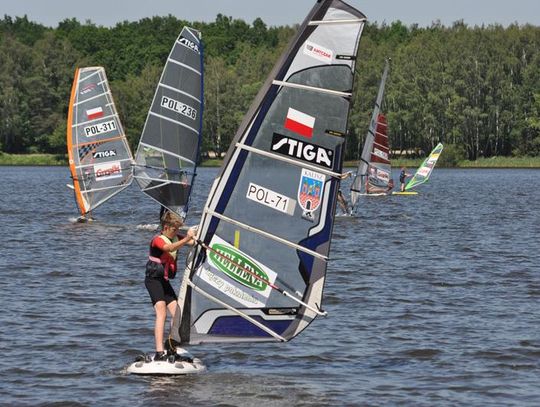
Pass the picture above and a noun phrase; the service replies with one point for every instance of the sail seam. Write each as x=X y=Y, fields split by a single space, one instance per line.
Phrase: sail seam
x=288 y=160
x=102 y=189
x=313 y=88
x=92 y=98
x=163 y=183
x=179 y=91
x=89 y=76
x=91 y=165
x=266 y=234
x=173 y=121
x=166 y=152
x=119 y=137
x=174 y=61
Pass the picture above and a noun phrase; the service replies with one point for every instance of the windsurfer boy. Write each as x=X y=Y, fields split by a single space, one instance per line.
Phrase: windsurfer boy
x=160 y=268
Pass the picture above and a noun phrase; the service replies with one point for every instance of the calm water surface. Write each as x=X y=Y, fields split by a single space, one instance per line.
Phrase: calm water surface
x=432 y=299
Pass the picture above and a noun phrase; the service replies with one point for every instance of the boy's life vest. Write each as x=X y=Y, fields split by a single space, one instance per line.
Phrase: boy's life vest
x=161 y=264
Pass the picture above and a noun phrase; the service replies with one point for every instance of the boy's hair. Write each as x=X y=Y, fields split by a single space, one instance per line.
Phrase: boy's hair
x=171 y=219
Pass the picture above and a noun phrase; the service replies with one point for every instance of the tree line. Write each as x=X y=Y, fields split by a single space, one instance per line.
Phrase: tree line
x=474 y=88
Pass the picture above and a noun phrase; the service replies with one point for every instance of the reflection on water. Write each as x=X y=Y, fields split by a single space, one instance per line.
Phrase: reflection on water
x=432 y=300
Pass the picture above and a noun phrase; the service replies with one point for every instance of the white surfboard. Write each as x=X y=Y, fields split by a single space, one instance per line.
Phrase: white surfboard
x=171 y=366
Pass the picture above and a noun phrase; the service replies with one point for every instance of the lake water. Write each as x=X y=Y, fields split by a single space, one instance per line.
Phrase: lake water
x=433 y=300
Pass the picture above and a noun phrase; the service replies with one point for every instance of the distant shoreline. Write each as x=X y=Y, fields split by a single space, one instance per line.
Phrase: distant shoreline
x=494 y=162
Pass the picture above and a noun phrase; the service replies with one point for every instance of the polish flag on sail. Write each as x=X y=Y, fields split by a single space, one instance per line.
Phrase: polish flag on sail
x=94 y=113
x=299 y=122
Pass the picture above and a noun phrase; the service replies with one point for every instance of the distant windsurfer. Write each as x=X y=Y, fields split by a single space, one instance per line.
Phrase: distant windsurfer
x=160 y=268
x=402 y=178
x=343 y=204
x=371 y=189
x=342 y=201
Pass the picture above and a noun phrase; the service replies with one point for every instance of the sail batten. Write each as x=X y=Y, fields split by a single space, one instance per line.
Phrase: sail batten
x=180 y=91
x=270 y=210
x=268 y=235
x=92 y=98
x=312 y=88
x=168 y=151
x=354 y=21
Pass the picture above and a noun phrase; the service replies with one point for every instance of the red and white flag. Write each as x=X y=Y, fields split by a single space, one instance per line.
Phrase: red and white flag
x=299 y=122
x=94 y=113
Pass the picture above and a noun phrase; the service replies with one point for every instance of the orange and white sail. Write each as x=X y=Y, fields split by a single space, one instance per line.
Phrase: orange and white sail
x=100 y=159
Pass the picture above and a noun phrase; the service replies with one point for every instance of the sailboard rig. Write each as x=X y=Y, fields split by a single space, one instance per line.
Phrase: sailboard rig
x=258 y=271
x=373 y=174
x=167 y=154
x=99 y=155
x=426 y=168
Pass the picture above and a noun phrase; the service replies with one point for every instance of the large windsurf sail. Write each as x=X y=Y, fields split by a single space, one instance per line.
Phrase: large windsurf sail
x=99 y=156
x=374 y=171
x=259 y=269
x=166 y=158
x=426 y=168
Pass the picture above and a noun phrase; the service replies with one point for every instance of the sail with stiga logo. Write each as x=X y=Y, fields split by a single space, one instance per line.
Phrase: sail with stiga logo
x=258 y=271
x=167 y=154
x=426 y=168
x=99 y=155
x=373 y=174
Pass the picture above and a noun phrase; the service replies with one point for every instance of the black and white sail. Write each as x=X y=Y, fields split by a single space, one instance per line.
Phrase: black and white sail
x=259 y=270
x=166 y=158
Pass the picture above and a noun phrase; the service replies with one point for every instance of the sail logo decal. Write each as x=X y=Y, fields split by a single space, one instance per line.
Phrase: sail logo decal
x=104 y=154
x=234 y=263
x=94 y=113
x=300 y=122
x=311 y=153
x=107 y=171
x=378 y=174
x=310 y=192
x=86 y=149
x=424 y=172
x=88 y=88
x=178 y=107
x=272 y=199
x=189 y=44
x=318 y=52
x=98 y=129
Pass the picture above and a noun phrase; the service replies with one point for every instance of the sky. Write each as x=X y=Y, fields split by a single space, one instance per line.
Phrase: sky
x=275 y=12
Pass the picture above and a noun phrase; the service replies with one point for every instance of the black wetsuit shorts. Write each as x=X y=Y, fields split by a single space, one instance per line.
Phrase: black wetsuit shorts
x=160 y=290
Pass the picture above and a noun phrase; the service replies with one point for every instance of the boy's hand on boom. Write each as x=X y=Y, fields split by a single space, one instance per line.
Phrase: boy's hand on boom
x=192 y=232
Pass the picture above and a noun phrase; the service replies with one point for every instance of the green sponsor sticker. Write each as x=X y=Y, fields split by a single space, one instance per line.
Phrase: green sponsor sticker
x=225 y=259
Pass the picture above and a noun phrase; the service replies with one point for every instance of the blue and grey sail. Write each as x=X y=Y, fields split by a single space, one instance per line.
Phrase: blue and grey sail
x=258 y=272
